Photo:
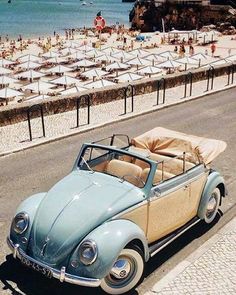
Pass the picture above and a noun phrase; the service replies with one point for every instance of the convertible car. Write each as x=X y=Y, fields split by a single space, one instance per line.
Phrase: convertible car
x=123 y=202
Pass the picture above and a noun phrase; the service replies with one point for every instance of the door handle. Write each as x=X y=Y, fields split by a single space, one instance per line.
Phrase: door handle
x=186 y=187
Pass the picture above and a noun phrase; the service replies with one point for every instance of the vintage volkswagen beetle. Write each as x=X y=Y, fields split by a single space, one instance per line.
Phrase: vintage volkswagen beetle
x=119 y=207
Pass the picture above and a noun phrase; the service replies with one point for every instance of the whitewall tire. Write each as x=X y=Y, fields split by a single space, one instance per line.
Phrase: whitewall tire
x=126 y=272
x=212 y=205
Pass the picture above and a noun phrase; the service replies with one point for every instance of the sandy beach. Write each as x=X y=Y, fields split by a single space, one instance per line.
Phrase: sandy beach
x=88 y=57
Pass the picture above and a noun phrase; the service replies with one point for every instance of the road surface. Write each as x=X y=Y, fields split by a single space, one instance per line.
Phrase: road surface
x=37 y=169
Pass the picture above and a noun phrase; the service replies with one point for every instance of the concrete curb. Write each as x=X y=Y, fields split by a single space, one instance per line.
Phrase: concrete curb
x=127 y=117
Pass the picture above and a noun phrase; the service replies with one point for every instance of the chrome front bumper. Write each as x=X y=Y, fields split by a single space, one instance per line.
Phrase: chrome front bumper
x=61 y=275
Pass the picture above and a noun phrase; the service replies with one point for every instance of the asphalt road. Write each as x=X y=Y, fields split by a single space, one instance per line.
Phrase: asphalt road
x=37 y=169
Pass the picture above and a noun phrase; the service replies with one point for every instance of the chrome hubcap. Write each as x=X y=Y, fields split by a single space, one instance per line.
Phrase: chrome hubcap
x=122 y=272
x=121 y=269
x=211 y=206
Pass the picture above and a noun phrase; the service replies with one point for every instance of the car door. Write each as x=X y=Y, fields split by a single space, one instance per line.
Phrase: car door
x=197 y=180
x=168 y=207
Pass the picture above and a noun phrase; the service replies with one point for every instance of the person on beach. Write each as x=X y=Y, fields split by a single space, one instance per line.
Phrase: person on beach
x=181 y=51
x=191 y=50
x=213 y=49
x=176 y=49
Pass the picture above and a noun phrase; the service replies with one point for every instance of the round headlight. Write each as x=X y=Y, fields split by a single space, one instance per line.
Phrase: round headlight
x=88 y=252
x=20 y=223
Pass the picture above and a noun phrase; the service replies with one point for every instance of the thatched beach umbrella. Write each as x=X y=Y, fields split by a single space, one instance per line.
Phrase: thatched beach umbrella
x=29 y=57
x=7 y=93
x=29 y=65
x=51 y=54
x=30 y=75
x=39 y=86
x=150 y=70
x=137 y=61
x=94 y=73
x=78 y=55
x=128 y=77
x=5 y=62
x=4 y=80
x=4 y=71
x=59 y=69
x=99 y=84
x=169 y=55
x=65 y=81
x=122 y=55
x=73 y=90
x=117 y=66
x=83 y=64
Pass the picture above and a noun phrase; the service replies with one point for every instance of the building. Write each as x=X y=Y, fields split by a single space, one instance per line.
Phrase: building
x=197 y=2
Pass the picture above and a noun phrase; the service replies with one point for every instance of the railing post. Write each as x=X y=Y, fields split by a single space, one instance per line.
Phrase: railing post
x=125 y=102
x=185 y=86
x=42 y=119
x=164 y=90
x=232 y=68
x=126 y=92
x=29 y=124
x=229 y=74
x=158 y=91
x=191 y=83
x=31 y=109
x=188 y=80
x=132 y=99
x=161 y=82
x=86 y=97
x=210 y=76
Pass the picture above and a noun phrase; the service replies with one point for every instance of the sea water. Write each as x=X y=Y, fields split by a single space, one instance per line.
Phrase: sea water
x=32 y=18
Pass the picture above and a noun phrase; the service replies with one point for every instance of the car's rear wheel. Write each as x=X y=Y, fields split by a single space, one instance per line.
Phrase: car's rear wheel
x=126 y=272
x=212 y=205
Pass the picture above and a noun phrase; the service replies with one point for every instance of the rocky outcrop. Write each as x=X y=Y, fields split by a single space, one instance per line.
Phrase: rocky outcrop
x=148 y=15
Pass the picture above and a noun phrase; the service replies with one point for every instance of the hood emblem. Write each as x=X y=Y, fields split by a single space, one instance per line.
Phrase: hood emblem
x=44 y=246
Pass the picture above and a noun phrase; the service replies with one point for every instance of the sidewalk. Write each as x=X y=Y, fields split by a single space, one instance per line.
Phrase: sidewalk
x=16 y=137
x=210 y=270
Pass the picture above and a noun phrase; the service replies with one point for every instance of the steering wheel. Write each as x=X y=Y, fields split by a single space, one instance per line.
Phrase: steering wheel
x=135 y=177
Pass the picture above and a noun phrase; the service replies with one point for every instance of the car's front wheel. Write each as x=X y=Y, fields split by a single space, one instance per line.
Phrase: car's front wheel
x=126 y=272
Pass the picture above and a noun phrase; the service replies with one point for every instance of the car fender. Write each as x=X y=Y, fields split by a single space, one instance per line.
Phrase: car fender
x=214 y=179
x=29 y=206
x=111 y=237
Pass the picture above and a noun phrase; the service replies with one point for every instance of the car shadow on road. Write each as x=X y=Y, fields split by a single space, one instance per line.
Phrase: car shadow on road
x=173 y=248
x=18 y=279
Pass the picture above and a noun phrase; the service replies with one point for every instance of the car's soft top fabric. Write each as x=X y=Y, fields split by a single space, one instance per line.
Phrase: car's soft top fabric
x=168 y=142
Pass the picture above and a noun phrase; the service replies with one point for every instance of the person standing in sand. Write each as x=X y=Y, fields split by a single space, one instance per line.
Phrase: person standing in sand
x=213 y=49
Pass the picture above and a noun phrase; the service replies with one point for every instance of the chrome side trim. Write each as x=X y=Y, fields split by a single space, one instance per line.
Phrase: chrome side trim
x=174 y=188
x=175 y=237
x=57 y=274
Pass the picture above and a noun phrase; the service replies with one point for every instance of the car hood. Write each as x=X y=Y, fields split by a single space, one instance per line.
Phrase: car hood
x=74 y=207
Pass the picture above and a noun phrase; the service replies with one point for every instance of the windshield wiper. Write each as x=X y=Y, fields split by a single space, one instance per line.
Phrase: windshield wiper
x=86 y=163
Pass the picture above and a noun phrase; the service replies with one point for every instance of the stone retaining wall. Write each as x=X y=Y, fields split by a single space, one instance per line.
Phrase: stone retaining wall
x=12 y=114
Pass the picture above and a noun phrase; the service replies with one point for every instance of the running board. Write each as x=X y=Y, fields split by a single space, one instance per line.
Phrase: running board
x=160 y=244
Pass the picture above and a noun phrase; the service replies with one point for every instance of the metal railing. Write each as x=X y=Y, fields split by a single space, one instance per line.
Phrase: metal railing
x=33 y=108
x=86 y=99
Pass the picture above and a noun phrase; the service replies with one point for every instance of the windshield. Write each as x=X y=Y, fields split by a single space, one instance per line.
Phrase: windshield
x=115 y=163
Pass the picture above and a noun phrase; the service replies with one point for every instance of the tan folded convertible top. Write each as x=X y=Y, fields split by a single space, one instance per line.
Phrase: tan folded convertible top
x=168 y=142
